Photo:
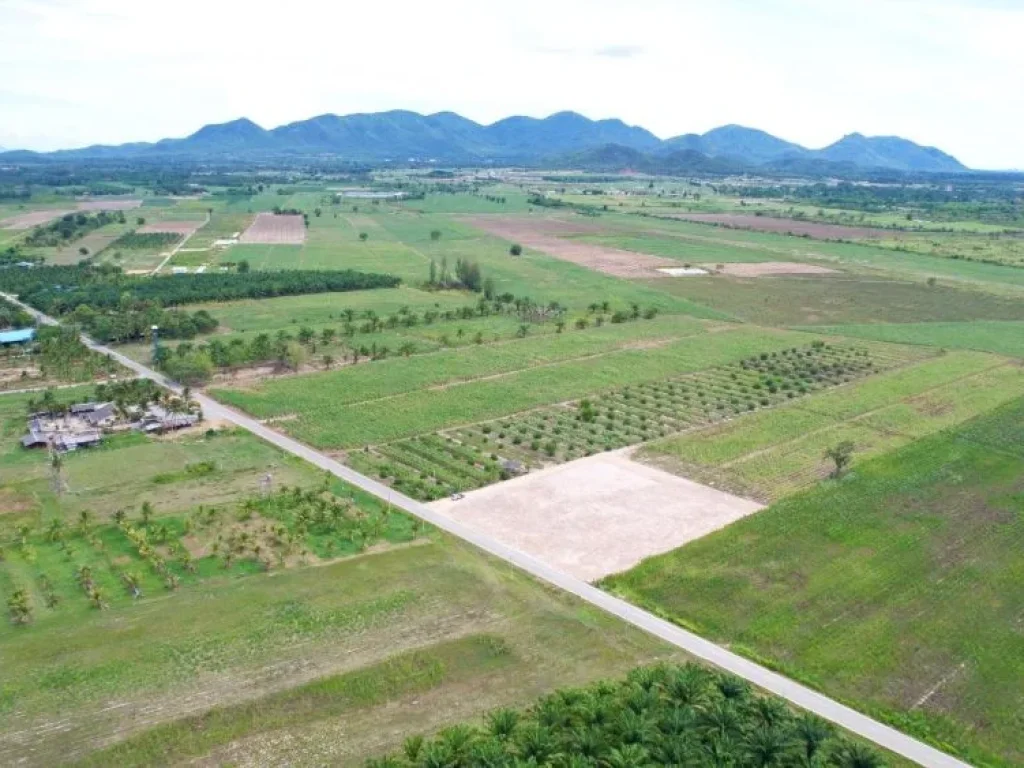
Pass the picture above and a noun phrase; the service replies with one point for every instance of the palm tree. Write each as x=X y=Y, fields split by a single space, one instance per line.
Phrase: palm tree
x=812 y=732
x=502 y=723
x=851 y=755
x=766 y=746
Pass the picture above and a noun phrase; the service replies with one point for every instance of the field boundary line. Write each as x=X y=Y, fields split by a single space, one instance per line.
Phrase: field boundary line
x=800 y=695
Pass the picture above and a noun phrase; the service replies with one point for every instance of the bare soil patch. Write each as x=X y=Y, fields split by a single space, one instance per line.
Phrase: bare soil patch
x=770 y=268
x=32 y=219
x=273 y=229
x=811 y=229
x=599 y=515
x=549 y=236
x=183 y=228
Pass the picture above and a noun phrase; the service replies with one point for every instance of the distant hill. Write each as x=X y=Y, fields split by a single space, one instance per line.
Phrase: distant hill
x=400 y=136
x=889 y=152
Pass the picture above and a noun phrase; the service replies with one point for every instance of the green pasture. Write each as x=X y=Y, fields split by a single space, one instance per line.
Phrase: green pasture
x=894 y=589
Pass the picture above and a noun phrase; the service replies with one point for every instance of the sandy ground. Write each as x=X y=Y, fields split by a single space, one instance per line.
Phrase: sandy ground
x=173 y=227
x=269 y=228
x=599 y=515
x=542 y=235
x=769 y=268
x=813 y=229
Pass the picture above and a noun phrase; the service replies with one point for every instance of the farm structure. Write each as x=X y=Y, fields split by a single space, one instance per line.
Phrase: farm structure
x=84 y=424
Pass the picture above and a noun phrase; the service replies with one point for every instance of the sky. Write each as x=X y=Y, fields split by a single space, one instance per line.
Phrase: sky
x=945 y=73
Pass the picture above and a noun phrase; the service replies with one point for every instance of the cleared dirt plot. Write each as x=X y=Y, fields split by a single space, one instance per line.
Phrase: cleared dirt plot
x=273 y=229
x=599 y=515
x=812 y=229
x=771 y=268
x=549 y=236
x=29 y=220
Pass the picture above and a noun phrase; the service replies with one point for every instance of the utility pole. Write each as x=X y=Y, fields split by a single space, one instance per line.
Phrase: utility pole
x=156 y=342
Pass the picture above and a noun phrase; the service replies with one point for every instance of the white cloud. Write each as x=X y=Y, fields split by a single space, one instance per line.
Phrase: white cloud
x=942 y=72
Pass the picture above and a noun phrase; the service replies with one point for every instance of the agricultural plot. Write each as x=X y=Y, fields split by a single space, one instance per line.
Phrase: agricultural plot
x=319 y=421
x=678 y=248
x=1000 y=337
x=432 y=466
x=841 y=299
x=26 y=221
x=275 y=229
x=771 y=455
x=168 y=578
x=542 y=235
x=895 y=589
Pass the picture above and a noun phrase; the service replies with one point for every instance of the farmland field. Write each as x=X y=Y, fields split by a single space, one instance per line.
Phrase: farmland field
x=261 y=637
x=772 y=454
x=893 y=589
x=313 y=624
x=1004 y=338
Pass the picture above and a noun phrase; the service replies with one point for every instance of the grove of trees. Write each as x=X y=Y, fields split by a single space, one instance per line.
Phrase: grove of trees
x=658 y=716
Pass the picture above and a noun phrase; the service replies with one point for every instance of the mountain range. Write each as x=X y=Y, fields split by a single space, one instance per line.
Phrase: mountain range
x=564 y=137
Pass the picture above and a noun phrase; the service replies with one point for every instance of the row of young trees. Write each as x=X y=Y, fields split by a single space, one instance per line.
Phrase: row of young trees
x=61 y=289
x=658 y=716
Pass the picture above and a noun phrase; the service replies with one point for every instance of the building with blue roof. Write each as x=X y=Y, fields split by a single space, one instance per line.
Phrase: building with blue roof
x=17 y=336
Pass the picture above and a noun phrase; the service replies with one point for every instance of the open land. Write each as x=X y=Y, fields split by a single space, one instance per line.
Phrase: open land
x=269 y=228
x=891 y=588
x=598 y=515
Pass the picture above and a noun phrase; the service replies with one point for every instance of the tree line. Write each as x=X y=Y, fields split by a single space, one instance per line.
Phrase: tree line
x=61 y=289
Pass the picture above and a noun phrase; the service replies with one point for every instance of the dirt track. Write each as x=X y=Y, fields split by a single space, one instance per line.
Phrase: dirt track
x=596 y=516
x=552 y=237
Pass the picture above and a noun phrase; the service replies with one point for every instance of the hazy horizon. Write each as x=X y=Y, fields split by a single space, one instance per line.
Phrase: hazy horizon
x=112 y=71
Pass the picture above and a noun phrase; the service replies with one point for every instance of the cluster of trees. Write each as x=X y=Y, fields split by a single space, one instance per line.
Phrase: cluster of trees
x=59 y=353
x=13 y=255
x=144 y=241
x=133 y=321
x=71 y=226
x=466 y=275
x=278 y=210
x=666 y=715
x=12 y=316
x=61 y=289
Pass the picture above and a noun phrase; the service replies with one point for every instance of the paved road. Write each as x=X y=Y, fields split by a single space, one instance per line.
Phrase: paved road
x=800 y=695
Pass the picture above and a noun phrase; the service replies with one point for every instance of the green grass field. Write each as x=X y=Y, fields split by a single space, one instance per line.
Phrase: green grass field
x=320 y=422
x=1003 y=338
x=840 y=299
x=895 y=589
x=774 y=453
